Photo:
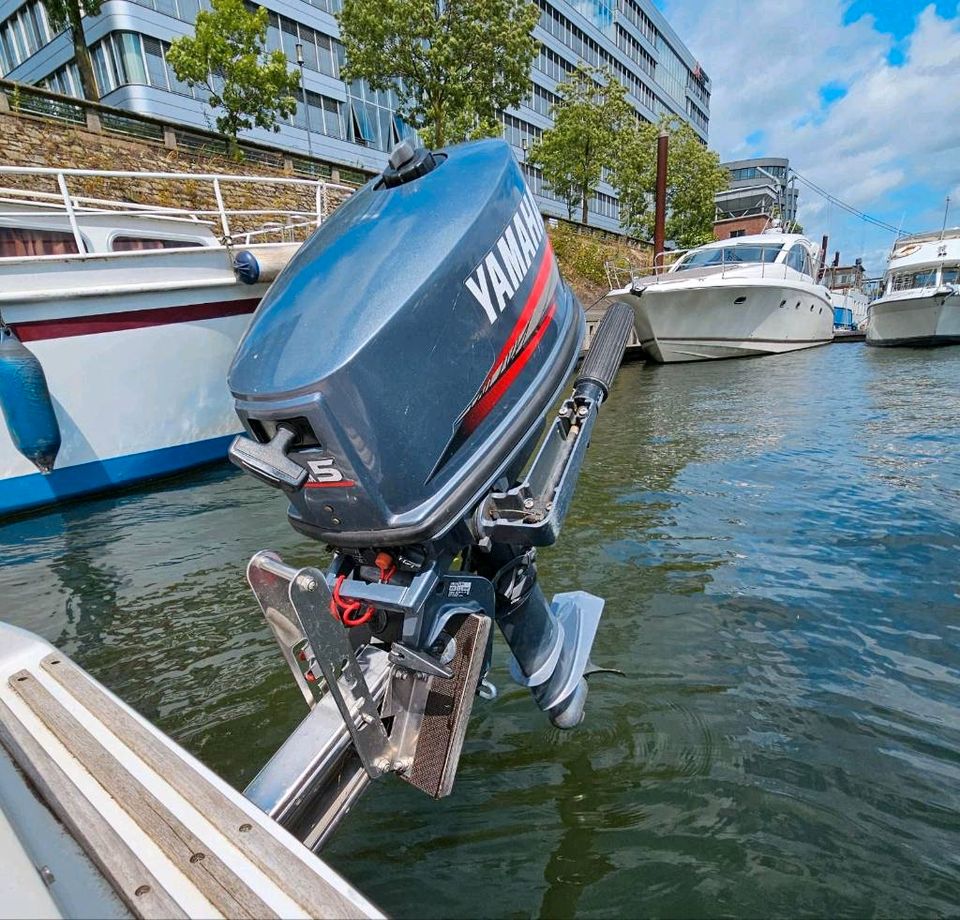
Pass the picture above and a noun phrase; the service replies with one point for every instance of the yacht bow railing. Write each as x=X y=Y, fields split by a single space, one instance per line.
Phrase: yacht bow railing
x=238 y=210
x=620 y=276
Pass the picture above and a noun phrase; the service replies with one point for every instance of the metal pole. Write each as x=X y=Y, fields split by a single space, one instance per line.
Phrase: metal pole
x=306 y=105
x=660 y=198
x=71 y=216
x=946 y=211
x=224 y=223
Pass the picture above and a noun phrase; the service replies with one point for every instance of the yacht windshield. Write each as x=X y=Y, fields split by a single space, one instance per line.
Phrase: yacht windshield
x=905 y=281
x=730 y=255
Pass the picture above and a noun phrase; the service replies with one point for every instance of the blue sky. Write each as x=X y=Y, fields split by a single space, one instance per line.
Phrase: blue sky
x=863 y=96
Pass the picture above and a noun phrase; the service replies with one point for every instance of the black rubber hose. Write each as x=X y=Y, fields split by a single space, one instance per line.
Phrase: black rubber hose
x=606 y=350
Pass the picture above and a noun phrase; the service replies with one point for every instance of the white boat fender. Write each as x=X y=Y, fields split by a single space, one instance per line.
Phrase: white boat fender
x=26 y=404
x=262 y=266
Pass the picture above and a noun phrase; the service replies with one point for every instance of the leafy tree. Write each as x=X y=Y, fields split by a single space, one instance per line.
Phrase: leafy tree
x=694 y=176
x=454 y=65
x=226 y=56
x=587 y=120
x=68 y=14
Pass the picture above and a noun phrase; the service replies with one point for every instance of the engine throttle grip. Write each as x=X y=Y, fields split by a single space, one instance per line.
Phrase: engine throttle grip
x=607 y=347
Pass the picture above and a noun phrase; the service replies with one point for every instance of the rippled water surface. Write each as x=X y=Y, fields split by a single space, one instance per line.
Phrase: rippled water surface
x=777 y=540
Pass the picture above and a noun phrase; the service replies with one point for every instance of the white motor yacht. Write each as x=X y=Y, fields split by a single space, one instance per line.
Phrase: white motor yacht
x=133 y=312
x=750 y=295
x=920 y=304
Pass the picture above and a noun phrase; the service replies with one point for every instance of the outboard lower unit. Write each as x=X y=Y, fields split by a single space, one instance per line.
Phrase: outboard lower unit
x=394 y=383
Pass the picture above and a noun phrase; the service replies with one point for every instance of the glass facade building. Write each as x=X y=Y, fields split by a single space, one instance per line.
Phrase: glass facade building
x=760 y=186
x=352 y=125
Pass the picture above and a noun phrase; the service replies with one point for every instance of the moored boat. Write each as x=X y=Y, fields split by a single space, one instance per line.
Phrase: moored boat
x=752 y=295
x=120 y=320
x=920 y=304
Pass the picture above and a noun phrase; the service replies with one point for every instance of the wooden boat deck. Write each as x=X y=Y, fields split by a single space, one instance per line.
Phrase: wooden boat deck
x=170 y=837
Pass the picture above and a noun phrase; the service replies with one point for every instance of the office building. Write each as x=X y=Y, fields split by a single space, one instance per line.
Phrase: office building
x=760 y=190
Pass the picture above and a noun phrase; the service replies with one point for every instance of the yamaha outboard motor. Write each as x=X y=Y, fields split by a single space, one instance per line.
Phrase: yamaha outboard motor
x=394 y=384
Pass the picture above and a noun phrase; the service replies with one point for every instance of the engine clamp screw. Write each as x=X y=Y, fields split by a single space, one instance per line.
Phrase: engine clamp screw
x=306 y=583
x=582 y=411
x=528 y=503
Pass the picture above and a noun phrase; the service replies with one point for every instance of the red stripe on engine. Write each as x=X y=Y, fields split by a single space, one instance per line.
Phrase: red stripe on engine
x=489 y=399
x=131 y=319
x=543 y=275
x=343 y=484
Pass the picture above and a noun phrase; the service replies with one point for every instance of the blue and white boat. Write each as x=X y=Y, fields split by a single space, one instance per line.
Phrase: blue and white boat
x=133 y=313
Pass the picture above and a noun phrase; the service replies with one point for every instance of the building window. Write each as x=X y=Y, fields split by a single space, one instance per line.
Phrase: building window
x=672 y=73
x=122 y=58
x=372 y=120
x=321 y=52
x=605 y=206
x=23 y=34
x=552 y=65
x=519 y=133
x=65 y=80
x=638 y=19
x=541 y=100
x=635 y=51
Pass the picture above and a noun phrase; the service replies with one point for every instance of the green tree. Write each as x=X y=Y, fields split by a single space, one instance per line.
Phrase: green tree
x=587 y=120
x=226 y=56
x=694 y=176
x=68 y=14
x=454 y=65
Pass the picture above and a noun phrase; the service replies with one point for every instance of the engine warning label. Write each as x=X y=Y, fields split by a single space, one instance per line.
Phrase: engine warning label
x=458 y=589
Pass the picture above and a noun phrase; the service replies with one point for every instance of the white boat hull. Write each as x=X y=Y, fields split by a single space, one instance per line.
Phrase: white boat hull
x=138 y=387
x=698 y=323
x=933 y=319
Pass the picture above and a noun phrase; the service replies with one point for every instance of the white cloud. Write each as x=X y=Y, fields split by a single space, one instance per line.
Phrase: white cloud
x=896 y=128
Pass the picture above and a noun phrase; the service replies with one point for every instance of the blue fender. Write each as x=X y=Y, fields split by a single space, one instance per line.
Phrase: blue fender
x=25 y=403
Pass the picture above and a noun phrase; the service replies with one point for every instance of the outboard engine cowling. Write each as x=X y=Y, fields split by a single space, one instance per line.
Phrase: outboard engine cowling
x=394 y=383
x=412 y=345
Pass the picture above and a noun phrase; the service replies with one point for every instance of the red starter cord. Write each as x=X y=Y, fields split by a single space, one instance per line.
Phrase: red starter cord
x=345 y=610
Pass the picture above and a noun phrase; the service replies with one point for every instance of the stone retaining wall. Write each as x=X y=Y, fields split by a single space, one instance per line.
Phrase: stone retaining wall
x=29 y=140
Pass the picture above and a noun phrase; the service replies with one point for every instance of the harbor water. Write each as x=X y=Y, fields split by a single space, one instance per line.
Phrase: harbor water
x=778 y=543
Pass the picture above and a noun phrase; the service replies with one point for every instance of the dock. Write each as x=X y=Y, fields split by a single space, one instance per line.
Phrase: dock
x=849 y=335
x=633 y=351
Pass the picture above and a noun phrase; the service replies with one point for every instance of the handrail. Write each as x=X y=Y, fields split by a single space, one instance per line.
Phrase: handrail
x=296 y=214
x=145 y=174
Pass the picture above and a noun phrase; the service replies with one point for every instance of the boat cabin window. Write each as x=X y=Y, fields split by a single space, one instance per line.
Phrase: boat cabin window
x=729 y=255
x=798 y=258
x=951 y=275
x=31 y=241
x=905 y=281
x=138 y=243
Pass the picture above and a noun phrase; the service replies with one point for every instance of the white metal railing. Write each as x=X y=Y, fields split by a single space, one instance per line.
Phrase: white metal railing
x=314 y=200
x=620 y=276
